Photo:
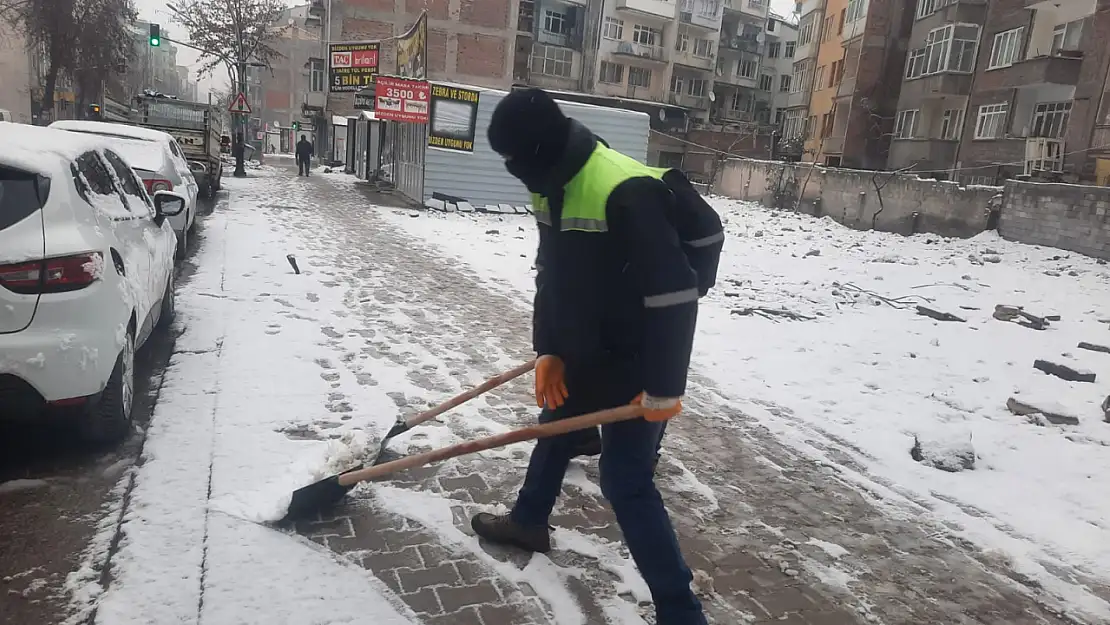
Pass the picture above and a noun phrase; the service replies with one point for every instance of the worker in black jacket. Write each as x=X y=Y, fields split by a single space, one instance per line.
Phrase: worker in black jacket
x=615 y=309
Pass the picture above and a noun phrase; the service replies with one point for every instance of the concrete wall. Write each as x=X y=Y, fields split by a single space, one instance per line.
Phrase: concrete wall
x=908 y=205
x=1070 y=217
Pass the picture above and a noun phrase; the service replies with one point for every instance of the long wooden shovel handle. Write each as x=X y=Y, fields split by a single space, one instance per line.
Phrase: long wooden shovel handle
x=462 y=398
x=543 y=430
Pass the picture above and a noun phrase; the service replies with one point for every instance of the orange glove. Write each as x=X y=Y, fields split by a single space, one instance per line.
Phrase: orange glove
x=551 y=381
x=659 y=408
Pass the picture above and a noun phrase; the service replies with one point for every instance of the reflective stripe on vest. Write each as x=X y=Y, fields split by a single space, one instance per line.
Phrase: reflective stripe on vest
x=587 y=193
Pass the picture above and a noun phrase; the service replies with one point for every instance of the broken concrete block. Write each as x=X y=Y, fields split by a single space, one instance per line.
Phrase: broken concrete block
x=1064 y=372
x=1053 y=414
x=465 y=207
x=952 y=456
x=434 y=204
x=1094 y=348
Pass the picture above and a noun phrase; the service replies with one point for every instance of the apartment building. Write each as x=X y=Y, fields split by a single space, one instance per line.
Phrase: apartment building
x=936 y=85
x=296 y=77
x=1036 y=94
x=777 y=70
x=15 y=74
x=737 y=93
x=796 y=124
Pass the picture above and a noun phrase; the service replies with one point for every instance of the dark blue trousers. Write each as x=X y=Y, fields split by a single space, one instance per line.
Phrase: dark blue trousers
x=627 y=481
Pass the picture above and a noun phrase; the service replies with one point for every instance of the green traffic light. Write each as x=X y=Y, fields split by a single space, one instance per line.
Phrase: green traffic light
x=154 y=41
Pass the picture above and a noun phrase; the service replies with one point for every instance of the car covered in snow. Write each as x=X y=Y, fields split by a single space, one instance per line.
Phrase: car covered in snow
x=86 y=274
x=159 y=161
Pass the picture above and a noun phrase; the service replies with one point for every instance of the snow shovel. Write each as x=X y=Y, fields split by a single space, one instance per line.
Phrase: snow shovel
x=404 y=425
x=321 y=495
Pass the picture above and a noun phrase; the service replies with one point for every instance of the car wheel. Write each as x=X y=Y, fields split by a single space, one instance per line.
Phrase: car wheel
x=182 y=244
x=109 y=420
x=219 y=183
x=169 y=303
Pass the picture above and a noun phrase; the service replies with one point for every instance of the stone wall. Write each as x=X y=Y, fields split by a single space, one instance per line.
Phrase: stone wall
x=862 y=199
x=1066 y=216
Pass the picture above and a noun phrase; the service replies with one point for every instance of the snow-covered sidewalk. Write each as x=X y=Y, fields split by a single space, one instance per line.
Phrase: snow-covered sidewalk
x=858 y=375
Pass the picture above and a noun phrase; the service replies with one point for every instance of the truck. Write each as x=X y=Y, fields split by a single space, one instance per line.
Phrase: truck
x=196 y=126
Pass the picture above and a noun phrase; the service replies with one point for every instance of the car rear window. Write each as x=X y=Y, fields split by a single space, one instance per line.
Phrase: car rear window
x=142 y=154
x=19 y=195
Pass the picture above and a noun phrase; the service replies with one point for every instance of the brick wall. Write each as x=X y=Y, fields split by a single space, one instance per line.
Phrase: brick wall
x=1070 y=217
x=908 y=205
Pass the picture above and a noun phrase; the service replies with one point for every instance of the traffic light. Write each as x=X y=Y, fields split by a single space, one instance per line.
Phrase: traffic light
x=296 y=126
x=94 y=111
x=155 y=35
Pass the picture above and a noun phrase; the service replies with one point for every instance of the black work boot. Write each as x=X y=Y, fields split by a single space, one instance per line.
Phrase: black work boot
x=503 y=530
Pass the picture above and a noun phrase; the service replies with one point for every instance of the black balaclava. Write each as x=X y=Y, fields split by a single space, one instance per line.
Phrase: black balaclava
x=530 y=131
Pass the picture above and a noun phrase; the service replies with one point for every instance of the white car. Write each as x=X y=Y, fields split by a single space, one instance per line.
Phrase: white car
x=159 y=161
x=86 y=273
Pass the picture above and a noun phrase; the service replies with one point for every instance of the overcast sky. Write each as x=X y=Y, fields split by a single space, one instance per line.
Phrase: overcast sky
x=155 y=11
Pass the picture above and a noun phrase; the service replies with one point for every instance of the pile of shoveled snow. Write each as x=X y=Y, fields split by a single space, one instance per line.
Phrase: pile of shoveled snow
x=822 y=321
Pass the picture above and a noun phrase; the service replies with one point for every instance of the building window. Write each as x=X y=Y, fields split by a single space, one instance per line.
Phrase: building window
x=926 y=8
x=771 y=25
x=805 y=31
x=828 y=28
x=949 y=48
x=1007 y=47
x=612 y=73
x=755 y=4
x=317 y=75
x=819 y=79
x=784 y=83
x=836 y=73
x=840 y=26
x=788 y=52
x=952 y=124
x=793 y=124
x=639 y=77
x=811 y=126
x=1050 y=120
x=614 y=29
x=857 y=9
x=745 y=68
x=703 y=48
x=991 y=120
x=552 y=61
x=682 y=42
x=554 y=22
x=737 y=101
x=1066 y=36
x=766 y=82
x=696 y=87
x=803 y=75
x=647 y=36
x=677 y=83
x=773 y=49
x=905 y=125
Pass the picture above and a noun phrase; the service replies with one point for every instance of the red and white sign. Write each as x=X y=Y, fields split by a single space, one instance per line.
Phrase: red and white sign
x=239 y=104
x=354 y=58
x=401 y=99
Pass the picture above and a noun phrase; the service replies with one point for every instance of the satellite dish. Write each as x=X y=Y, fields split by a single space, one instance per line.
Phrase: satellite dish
x=712 y=97
x=662 y=115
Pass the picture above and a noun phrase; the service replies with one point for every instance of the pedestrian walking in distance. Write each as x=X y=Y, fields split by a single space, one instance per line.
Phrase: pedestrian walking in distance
x=625 y=251
x=305 y=152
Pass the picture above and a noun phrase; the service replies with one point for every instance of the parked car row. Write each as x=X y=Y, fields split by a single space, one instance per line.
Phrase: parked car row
x=92 y=216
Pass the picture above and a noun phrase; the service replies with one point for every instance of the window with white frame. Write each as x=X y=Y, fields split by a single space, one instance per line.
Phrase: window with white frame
x=613 y=29
x=696 y=87
x=1066 y=36
x=647 y=36
x=905 y=124
x=1050 y=120
x=317 y=75
x=737 y=102
x=612 y=73
x=784 y=83
x=805 y=30
x=1006 y=48
x=990 y=123
x=926 y=8
x=803 y=76
x=949 y=48
x=756 y=4
x=555 y=22
x=793 y=124
x=952 y=124
x=766 y=82
x=788 y=51
x=677 y=83
x=915 y=62
x=819 y=79
x=745 y=68
x=552 y=60
x=857 y=9
x=773 y=49
x=703 y=48
x=639 y=77
x=682 y=42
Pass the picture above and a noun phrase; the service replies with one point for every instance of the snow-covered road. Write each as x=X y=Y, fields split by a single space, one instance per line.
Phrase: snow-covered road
x=789 y=475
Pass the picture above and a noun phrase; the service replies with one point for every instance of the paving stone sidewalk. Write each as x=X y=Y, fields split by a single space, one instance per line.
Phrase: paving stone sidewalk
x=774 y=537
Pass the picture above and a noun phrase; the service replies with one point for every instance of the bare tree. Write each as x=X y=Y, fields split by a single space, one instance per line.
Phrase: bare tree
x=80 y=38
x=230 y=33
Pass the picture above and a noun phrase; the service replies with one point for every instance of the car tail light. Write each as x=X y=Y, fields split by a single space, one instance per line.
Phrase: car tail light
x=153 y=185
x=53 y=275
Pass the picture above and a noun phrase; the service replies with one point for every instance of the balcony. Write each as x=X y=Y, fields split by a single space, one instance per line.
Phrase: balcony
x=740 y=44
x=846 y=88
x=573 y=41
x=732 y=78
x=315 y=100
x=937 y=86
x=642 y=93
x=697 y=20
x=316 y=8
x=745 y=7
x=1060 y=69
x=641 y=51
x=660 y=9
x=796 y=99
x=832 y=145
x=690 y=59
x=688 y=101
x=1043 y=155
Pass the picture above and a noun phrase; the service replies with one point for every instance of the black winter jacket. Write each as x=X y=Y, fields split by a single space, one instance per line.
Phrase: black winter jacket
x=590 y=306
x=304 y=150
